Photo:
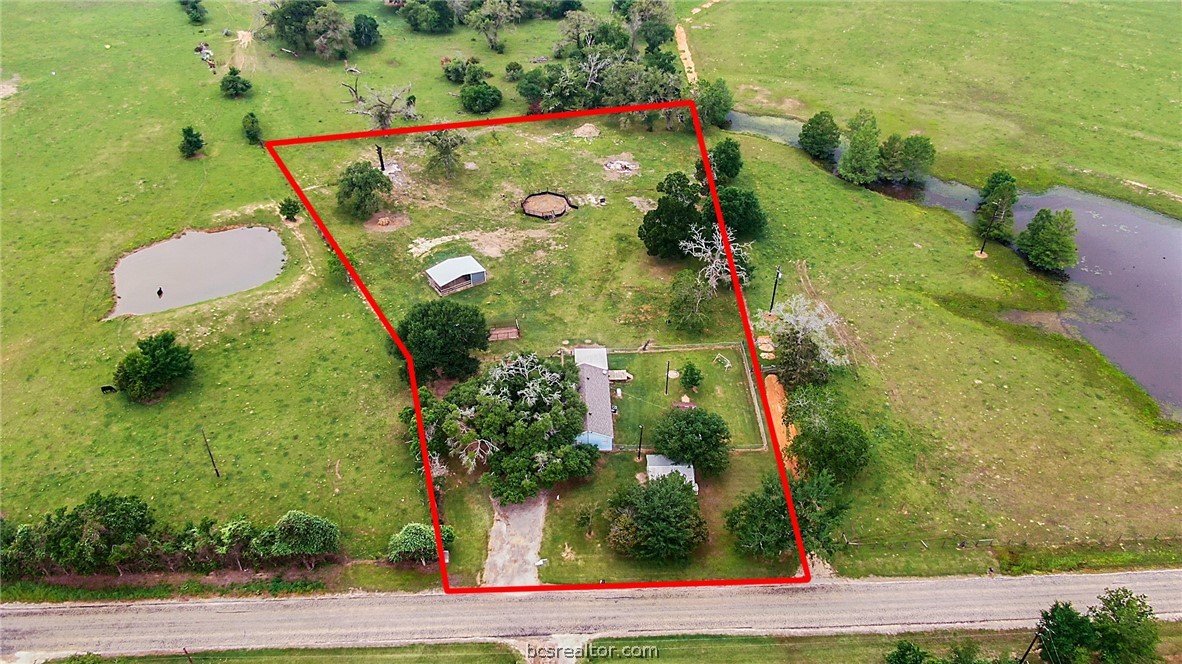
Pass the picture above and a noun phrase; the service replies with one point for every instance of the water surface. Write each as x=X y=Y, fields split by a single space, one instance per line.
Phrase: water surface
x=195 y=267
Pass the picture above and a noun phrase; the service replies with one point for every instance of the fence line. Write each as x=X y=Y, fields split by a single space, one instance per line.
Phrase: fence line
x=976 y=542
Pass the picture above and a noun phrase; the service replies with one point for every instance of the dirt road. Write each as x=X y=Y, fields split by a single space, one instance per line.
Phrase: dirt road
x=826 y=607
x=514 y=542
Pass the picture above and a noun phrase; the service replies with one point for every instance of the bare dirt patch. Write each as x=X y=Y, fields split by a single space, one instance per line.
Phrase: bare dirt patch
x=683 y=51
x=385 y=222
x=241 y=56
x=621 y=166
x=641 y=203
x=763 y=97
x=784 y=433
x=514 y=542
x=493 y=244
x=1048 y=321
x=9 y=87
x=586 y=131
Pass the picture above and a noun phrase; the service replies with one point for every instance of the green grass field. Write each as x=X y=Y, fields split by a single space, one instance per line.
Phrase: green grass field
x=1083 y=94
x=726 y=392
x=954 y=456
x=848 y=649
x=294 y=377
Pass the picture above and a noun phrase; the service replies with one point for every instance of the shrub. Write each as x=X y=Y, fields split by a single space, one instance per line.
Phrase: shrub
x=191 y=142
x=513 y=71
x=659 y=520
x=289 y=208
x=479 y=98
x=157 y=362
x=416 y=541
x=234 y=85
x=691 y=376
x=251 y=129
x=841 y=447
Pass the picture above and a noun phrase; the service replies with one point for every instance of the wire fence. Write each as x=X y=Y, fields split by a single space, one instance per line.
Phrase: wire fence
x=948 y=542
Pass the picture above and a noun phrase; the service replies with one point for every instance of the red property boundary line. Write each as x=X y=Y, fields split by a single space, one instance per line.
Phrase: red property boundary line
x=414 y=388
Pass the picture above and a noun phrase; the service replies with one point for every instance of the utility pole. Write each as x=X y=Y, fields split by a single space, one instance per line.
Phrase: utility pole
x=667 y=364
x=210 y=451
x=381 y=159
x=775 y=285
x=639 y=441
x=1026 y=654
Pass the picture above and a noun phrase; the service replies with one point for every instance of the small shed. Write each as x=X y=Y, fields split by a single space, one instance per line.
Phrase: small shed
x=456 y=274
x=659 y=465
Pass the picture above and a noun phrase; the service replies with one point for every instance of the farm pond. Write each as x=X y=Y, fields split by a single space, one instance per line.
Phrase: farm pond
x=194 y=267
x=1130 y=263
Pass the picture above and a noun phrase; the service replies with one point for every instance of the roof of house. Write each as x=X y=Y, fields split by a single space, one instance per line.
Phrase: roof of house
x=596 y=392
x=454 y=268
x=596 y=356
x=659 y=465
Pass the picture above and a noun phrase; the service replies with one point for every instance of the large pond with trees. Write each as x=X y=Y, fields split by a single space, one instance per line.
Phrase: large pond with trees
x=1128 y=282
x=196 y=266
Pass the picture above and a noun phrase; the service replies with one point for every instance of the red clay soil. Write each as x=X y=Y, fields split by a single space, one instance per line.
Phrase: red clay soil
x=778 y=400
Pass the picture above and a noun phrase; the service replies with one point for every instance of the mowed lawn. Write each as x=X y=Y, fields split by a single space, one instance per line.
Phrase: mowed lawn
x=292 y=377
x=573 y=556
x=1084 y=94
x=468 y=653
x=726 y=392
x=981 y=428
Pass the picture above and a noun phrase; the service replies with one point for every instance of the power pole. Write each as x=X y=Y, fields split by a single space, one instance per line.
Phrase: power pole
x=667 y=363
x=210 y=451
x=1026 y=654
x=639 y=441
x=381 y=159
x=775 y=285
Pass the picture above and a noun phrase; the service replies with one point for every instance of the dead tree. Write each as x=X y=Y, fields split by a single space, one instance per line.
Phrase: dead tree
x=356 y=96
x=383 y=108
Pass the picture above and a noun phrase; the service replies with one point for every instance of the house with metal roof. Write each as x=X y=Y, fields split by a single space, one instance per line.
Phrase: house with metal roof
x=599 y=424
x=456 y=274
x=659 y=465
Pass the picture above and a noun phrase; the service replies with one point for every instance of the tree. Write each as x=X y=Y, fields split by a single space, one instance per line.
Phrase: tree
x=659 y=520
x=919 y=155
x=191 y=142
x=664 y=227
x=741 y=211
x=891 y=164
x=445 y=144
x=820 y=509
x=906 y=652
x=859 y=163
x=820 y=136
x=760 y=521
x=491 y=17
x=706 y=244
x=995 y=215
x=691 y=376
x=996 y=179
x=290 y=22
x=382 y=108
x=649 y=20
x=1049 y=240
x=521 y=418
x=233 y=85
x=365 y=31
x=1067 y=636
x=513 y=71
x=440 y=335
x=714 y=102
x=233 y=539
x=727 y=160
x=416 y=541
x=841 y=448
x=251 y=129
x=85 y=539
x=479 y=98
x=793 y=324
x=688 y=296
x=330 y=33
x=301 y=535
x=157 y=362
x=357 y=190
x=434 y=16
x=1126 y=631
x=194 y=10
x=696 y=437
x=289 y=208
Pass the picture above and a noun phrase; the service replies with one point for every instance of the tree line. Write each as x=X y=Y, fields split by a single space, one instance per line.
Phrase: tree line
x=1048 y=242
x=117 y=533
x=865 y=160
